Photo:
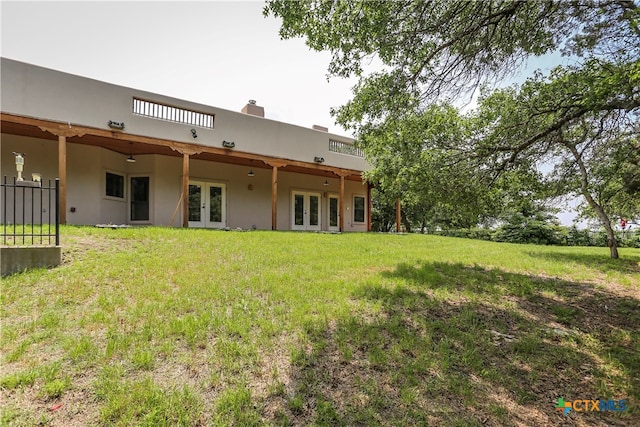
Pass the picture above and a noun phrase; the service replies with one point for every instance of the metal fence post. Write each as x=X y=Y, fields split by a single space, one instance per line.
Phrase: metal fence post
x=57 y=211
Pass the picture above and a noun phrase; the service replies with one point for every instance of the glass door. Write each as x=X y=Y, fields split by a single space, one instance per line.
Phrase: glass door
x=305 y=210
x=334 y=221
x=139 y=201
x=215 y=206
x=196 y=205
x=207 y=205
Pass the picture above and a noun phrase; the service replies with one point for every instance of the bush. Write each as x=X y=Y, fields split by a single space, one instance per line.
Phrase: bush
x=533 y=231
x=577 y=237
x=469 y=233
x=540 y=233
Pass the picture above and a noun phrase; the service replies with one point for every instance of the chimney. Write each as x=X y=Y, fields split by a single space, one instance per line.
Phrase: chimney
x=253 y=109
x=320 y=128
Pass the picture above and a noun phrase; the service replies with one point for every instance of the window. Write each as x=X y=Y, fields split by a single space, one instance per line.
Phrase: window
x=358 y=208
x=140 y=198
x=114 y=185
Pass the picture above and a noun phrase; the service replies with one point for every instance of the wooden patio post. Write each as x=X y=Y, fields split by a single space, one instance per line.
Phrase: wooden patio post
x=187 y=151
x=275 y=164
x=274 y=198
x=63 y=131
x=185 y=190
x=62 y=175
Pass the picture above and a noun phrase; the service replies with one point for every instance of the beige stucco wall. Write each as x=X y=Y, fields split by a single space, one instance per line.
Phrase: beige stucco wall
x=43 y=93
x=87 y=165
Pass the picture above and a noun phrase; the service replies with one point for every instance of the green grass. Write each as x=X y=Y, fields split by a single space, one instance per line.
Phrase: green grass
x=153 y=326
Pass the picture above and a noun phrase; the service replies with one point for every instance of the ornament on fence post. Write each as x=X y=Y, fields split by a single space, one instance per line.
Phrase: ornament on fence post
x=19 y=164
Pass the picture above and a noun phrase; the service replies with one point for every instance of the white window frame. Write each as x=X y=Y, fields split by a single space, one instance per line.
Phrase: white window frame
x=124 y=184
x=330 y=227
x=140 y=175
x=306 y=194
x=353 y=203
x=205 y=183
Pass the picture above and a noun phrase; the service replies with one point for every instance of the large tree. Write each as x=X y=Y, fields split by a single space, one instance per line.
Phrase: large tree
x=423 y=168
x=425 y=51
x=615 y=178
x=583 y=141
x=429 y=161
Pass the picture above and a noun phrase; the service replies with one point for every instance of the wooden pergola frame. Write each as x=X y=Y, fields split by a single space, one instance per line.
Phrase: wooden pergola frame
x=121 y=142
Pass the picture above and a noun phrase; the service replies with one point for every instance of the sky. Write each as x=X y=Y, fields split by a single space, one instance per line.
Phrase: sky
x=217 y=53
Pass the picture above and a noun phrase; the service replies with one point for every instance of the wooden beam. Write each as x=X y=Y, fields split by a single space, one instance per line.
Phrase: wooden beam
x=276 y=163
x=341 y=203
x=63 y=130
x=185 y=190
x=62 y=175
x=68 y=129
x=398 y=216
x=274 y=198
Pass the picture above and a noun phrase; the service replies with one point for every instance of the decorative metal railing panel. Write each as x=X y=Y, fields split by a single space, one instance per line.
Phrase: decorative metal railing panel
x=169 y=113
x=344 y=148
x=30 y=213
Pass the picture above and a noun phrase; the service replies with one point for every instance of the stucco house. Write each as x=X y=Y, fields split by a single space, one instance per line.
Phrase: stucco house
x=125 y=156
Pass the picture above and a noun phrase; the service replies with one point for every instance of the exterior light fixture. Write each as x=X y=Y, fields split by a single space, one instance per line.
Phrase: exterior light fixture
x=228 y=144
x=131 y=159
x=116 y=125
x=19 y=165
x=318 y=159
x=326 y=182
x=194 y=134
x=251 y=172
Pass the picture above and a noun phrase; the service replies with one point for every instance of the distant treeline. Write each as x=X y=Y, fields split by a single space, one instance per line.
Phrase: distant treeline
x=541 y=233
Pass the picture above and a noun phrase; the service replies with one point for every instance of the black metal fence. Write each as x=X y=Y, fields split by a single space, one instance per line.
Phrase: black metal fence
x=30 y=213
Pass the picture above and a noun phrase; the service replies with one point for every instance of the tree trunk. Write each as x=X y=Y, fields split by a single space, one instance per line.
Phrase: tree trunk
x=606 y=223
x=602 y=215
x=613 y=244
x=405 y=222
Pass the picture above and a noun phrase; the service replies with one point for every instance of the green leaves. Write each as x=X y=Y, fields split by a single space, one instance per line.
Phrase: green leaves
x=572 y=121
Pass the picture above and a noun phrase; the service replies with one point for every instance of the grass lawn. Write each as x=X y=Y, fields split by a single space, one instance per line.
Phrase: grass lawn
x=154 y=326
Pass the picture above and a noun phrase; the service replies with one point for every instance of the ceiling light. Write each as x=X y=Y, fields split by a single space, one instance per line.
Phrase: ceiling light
x=131 y=159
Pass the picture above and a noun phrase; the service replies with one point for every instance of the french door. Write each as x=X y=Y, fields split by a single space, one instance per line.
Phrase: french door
x=305 y=210
x=207 y=205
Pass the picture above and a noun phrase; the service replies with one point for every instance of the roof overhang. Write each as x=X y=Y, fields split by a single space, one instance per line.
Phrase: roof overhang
x=121 y=142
